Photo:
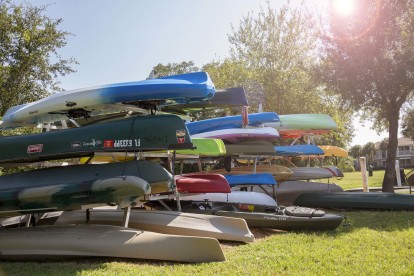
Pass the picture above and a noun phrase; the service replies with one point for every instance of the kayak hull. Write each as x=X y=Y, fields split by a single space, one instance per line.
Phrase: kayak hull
x=45 y=243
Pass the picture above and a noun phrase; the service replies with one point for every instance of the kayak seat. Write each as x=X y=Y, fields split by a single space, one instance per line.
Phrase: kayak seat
x=297 y=211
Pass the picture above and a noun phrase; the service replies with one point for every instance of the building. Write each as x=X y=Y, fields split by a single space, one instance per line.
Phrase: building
x=405 y=154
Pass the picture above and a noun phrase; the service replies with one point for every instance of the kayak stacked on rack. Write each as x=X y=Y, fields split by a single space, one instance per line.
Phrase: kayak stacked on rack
x=122 y=143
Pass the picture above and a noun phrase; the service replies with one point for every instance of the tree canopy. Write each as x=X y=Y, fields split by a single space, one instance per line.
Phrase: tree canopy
x=367 y=60
x=29 y=58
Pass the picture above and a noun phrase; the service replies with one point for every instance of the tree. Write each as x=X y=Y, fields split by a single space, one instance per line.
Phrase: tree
x=29 y=61
x=279 y=50
x=407 y=125
x=356 y=151
x=368 y=150
x=368 y=61
x=278 y=47
x=161 y=70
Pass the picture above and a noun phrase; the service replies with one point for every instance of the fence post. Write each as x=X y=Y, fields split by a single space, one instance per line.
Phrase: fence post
x=363 y=163
x=398 y=173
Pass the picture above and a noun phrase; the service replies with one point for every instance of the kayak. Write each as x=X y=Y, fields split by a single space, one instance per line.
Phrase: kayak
x=62 y=242
x=133 y=134
x=166 y=222
x=113 y=98
x=255 y=120
x=80 y=186
x=202 y=183
x=357 y=200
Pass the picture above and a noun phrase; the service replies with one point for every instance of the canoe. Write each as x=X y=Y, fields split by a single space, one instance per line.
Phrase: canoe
x=357 y=200
x=334 y=151
x=59 y=242
x=226 y=98
x=76 y=187
x=280 y=173
x=255 y=120
x=202 y=183
x=287 y=192
x=133 y=134
x=233 y=197
x=309 y=173
x=298 y=125
x=235 y=135
x=243 y=180
x=298 y=150
x=112 y=98
x=167 y=222
x=258 y=147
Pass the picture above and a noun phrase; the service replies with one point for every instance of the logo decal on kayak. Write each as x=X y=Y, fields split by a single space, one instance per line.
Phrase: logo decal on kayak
x=93 y=143
x=108 y=144
x=180 y=136
x=35 y=148
x=76 y=145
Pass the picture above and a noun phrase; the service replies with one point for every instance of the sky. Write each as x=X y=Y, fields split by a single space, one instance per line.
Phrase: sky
x=120 y=41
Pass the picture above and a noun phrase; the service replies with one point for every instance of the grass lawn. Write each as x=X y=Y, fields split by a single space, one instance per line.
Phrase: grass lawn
x=373 y=243
x=353 y=180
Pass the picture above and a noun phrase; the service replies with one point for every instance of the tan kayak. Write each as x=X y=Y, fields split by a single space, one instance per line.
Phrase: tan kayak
x=53 y=242
x=280 y=173
x=167 y=222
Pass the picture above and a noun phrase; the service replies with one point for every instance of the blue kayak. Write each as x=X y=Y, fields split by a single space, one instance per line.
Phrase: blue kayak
x=255 y=120
x=298 y=150
x=250 y=179
x=112 y=99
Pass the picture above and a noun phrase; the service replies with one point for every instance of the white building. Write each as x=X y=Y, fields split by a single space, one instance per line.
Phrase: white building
x=405 y=154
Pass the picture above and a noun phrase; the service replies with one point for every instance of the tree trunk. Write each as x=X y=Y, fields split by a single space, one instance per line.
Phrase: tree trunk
x=390 y=177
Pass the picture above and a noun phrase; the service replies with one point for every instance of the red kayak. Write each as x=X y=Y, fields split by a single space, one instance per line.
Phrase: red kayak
x=202 y=183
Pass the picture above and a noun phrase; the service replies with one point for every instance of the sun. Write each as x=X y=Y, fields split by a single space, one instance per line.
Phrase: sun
x=344 y=7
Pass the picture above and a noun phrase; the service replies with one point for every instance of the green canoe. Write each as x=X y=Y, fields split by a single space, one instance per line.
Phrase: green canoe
x=133 y=134
x=357 y=200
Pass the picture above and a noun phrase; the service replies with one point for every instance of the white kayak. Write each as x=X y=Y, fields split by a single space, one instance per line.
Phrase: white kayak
x=238 y=197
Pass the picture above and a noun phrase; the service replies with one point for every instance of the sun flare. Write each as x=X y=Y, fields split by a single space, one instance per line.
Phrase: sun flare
x=344 y=7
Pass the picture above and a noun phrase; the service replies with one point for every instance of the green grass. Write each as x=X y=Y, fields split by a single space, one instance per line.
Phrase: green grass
x=353 y=180
x=374 y=243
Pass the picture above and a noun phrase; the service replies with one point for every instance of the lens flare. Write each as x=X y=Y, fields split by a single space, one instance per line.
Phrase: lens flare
x=344 y=7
